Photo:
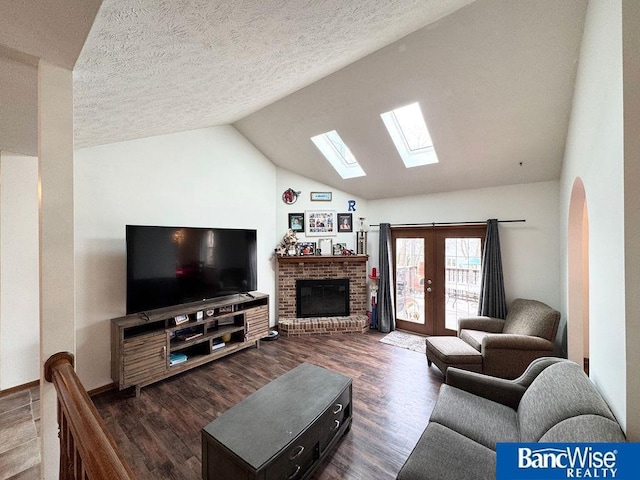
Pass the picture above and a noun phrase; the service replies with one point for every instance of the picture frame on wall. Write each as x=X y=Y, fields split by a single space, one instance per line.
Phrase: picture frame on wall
x=320 y=223
x=296 y=222
x=345 y=222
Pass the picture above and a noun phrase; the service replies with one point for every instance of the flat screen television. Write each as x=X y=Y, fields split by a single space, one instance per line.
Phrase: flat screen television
x=169 y=266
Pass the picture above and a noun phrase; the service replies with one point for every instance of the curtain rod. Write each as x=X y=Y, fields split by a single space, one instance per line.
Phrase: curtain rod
x=434 y=224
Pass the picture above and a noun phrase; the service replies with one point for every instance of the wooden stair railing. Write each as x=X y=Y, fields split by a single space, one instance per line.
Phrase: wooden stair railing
x=87 y=450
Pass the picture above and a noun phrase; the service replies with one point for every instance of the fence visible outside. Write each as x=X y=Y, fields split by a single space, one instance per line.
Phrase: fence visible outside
x=462 y=279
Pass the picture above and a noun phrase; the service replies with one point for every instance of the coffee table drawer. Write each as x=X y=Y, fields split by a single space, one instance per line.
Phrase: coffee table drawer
x=292 y=463
x=334 y=417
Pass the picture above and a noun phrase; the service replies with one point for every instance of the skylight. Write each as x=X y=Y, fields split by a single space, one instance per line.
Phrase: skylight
x=410 y=135
x=338 y=154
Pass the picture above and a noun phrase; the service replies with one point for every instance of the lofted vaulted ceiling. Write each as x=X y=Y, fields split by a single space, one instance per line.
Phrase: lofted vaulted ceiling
x=494 y=78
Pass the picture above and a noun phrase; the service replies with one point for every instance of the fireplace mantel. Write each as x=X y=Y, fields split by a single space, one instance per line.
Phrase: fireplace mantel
x=323 y=258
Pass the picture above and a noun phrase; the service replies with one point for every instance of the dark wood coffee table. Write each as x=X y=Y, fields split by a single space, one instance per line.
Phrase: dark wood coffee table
x=282 y=431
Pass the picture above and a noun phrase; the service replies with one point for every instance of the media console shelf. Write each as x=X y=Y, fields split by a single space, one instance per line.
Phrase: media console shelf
x=150 y=346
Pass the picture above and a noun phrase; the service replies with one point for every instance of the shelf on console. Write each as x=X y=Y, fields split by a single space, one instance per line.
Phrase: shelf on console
x=177 y=344
x=202 y=358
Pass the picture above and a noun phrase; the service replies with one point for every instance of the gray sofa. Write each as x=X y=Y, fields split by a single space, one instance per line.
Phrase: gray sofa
x=552 y=401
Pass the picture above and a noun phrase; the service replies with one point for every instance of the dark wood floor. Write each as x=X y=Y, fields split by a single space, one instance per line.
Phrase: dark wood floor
x=393 y=394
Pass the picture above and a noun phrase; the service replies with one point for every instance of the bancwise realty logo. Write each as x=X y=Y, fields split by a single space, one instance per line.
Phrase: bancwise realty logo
x=551 y=461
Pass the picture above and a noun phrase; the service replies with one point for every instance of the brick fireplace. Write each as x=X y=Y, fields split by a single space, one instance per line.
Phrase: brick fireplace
x=291 y=269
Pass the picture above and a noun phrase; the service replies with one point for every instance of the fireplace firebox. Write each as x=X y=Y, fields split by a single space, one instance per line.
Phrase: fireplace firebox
x=322 y=298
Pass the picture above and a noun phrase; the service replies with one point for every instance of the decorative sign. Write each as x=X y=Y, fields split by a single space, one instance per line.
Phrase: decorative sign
x=290 y=196
x=321 y=196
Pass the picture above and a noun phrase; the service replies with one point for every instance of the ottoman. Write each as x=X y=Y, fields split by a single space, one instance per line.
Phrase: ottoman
x=448 y=352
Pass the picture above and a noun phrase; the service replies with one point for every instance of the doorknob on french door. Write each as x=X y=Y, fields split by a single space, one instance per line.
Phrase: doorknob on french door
x=429 y=289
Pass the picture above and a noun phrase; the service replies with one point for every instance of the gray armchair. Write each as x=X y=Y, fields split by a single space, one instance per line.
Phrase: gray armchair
x=508 y=346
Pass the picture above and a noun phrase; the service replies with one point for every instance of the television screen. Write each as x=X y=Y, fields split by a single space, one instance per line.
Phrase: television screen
x=174 y=265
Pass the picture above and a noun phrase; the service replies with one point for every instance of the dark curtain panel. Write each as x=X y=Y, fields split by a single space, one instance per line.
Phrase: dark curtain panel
x=492 y=299
x=386 y=307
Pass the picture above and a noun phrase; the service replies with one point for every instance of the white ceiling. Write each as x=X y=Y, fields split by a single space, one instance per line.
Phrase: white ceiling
x=494 y=77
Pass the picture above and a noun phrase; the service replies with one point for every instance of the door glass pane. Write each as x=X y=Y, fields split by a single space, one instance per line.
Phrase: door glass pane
x=462 y=278
x=410 y=279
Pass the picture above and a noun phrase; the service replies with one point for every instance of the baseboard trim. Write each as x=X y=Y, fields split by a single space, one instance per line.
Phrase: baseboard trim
x=19 y=388
x=105 y=388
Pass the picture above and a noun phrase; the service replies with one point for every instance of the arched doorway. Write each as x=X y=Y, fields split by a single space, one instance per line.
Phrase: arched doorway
x=578 y=269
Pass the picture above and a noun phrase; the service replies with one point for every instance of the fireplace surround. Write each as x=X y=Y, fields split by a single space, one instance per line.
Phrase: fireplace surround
x=291 y=269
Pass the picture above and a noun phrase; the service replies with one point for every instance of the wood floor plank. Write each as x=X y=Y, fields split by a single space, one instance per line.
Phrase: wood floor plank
x=393 y=395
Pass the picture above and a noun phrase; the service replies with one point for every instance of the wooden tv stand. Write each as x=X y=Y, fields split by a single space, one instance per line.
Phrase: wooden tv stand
x=145 y=347
x=283 y=431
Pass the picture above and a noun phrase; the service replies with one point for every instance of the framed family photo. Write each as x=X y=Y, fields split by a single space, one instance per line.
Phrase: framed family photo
x=306 y=248
x=320 y=223
x=296 y=222
x=345 y=222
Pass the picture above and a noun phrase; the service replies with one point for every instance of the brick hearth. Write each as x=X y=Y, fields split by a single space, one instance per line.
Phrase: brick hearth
x=291 y=269
x=296 y=327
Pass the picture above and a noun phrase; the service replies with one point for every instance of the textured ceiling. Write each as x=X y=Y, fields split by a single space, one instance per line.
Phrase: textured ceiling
x=158 y=66
x=495 y=79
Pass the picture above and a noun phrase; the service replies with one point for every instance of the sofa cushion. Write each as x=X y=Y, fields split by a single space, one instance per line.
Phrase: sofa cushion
x=560 y=392
x=477 y=418
x=530 y=317
x=585 y=428
x=474 y=337
x=442 y=454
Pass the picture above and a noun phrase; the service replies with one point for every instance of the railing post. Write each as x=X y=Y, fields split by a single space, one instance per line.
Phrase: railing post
x=55 y=360
x=87 y=451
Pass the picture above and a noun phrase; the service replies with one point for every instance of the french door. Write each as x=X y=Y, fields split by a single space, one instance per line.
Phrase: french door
x=437 y=273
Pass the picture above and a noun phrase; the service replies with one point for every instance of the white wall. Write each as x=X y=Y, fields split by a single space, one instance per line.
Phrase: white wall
x=631 y=68
x=530 y=256
x=208 y=177
x=19 y=271
x=338 y=203
x=594 y=153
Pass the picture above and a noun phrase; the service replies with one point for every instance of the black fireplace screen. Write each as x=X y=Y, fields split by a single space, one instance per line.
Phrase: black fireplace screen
x=322 y=298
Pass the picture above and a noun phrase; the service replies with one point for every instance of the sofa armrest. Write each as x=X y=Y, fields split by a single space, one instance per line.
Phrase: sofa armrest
x=508 y=341
x=484 y=324
x=500 y=390
x=505 y=392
